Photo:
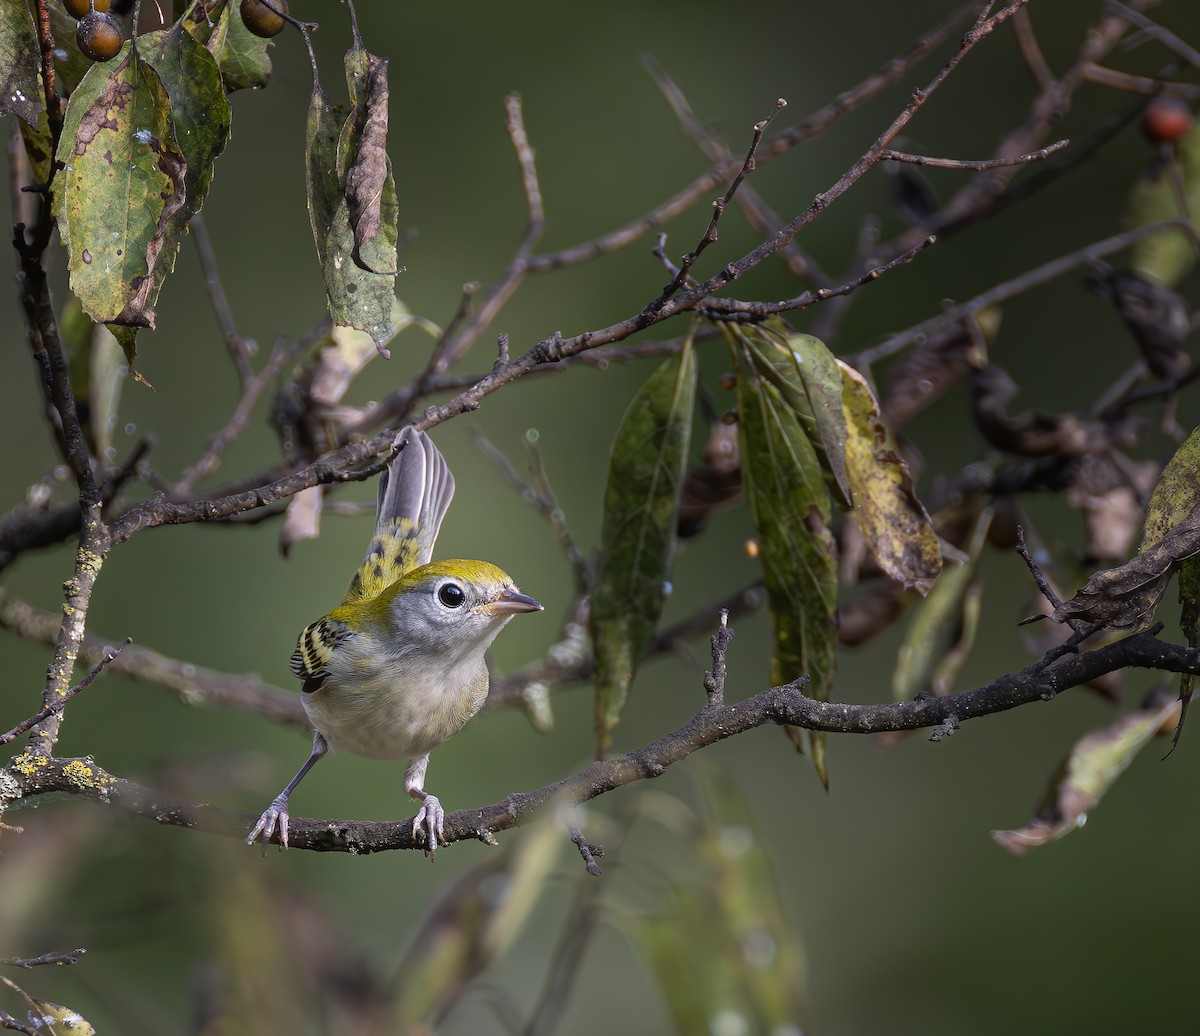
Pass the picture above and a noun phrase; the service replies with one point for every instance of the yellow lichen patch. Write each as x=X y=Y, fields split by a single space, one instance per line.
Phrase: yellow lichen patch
x=27 y=764
x=83 y=773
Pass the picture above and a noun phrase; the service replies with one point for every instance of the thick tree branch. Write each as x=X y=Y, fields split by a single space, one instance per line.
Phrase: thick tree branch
x=29 y=776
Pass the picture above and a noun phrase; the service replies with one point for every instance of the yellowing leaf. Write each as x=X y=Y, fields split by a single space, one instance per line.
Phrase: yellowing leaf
x=121 y=185
x=1090 y=769
x=1167 y=255
x=892 y=520
x=637 y=540
x=1175 y=497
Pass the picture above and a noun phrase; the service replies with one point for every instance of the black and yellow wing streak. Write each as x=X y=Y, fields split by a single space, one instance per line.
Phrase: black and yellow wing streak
x=314 y=649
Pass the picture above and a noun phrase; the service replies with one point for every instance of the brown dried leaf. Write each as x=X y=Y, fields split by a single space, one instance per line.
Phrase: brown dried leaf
x=1126 y=598
x=1032 y=433
x=924 y=374
x=1111 y=505
x=1157 y=317
x=368 y=173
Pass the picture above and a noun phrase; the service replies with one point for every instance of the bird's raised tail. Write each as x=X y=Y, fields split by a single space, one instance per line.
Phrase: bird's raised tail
x=414 y=492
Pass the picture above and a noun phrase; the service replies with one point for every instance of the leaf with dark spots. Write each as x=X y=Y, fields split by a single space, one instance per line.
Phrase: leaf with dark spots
x=20 y=57
x=121 y=187
x=241 y=56
x=370 y=169
x=357 y=297
x=637 y=539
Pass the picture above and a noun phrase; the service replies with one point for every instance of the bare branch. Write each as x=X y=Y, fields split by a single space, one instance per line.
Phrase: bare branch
x=237 y=346
x=1010 y=289
x=959 y=163
x=785 y=705
x=63 y=958
x=61 y=703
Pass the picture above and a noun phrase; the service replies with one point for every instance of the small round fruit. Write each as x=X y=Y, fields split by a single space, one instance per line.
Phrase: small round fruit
x=260 y=19
x=1166 y=119
x=99 y=35
x=78 y=8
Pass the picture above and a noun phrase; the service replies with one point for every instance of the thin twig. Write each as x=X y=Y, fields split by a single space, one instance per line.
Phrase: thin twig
x=252 y=391
x=1009 y=289
x=63 y=958
x=1129 y=83
x=758 y=213
x=710 y=234
x=55 y=708
x=757 y=311
x=193 y=684
x=541 y=497
x=988 y=163
x=1031 y=51
x=1164 y=36
x=237 y=346
x=813 y=126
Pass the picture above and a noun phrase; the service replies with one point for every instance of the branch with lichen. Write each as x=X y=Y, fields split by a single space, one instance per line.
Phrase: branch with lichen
x=30 y=776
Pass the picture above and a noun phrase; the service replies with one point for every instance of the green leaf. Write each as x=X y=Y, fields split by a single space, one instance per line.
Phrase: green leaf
x=722 y=944
x=240 y=55
x=637 y=540
x=790 y=508
x=121 y=189
x=1089 y=770
x=819 y=373
x=70 y=63
x=892 y=520
x=942 y=628
x=1176 y=495
x=20 y=58
x=39 y=148
x=357 y=298
x=200 y=122
x=1168 y=255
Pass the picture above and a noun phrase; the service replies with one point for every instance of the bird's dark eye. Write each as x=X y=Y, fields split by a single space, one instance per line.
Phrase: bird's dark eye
x=451 y=595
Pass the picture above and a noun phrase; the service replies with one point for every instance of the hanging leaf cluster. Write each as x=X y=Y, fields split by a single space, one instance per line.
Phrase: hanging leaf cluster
x=809 y=439
x=135 y=154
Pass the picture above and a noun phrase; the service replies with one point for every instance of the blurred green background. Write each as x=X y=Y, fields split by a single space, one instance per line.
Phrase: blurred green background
x=912 y=919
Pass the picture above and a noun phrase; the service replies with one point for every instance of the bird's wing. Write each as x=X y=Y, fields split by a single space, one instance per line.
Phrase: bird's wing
x=314 y=649
x=414 y=492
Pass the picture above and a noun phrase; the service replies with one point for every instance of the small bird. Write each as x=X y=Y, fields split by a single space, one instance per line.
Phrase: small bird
x=398 y=668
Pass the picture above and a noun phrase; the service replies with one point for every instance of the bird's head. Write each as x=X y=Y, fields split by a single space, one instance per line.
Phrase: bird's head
x=453 y=608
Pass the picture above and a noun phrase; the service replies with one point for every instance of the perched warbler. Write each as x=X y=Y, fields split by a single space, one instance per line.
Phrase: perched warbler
x=399 y=667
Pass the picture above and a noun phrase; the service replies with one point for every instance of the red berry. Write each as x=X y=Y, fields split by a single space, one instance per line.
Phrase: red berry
x=1166 y=119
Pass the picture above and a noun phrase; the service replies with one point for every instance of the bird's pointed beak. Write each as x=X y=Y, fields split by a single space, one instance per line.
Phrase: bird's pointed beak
x=510 y=602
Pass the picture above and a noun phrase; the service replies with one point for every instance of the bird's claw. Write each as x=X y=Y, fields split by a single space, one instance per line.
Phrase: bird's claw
x=428 y=824
x=273 y=821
